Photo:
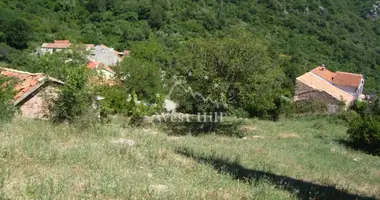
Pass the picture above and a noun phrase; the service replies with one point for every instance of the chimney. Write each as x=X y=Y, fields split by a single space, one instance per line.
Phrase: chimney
x=323 y=67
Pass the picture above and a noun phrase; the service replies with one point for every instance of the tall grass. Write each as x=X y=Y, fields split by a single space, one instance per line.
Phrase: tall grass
x=39 y=160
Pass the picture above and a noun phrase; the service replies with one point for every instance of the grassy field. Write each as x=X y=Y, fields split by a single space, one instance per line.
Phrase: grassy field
x=292 y=159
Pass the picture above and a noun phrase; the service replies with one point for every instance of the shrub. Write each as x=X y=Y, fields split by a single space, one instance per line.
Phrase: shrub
x=360 y=107
x=75 y=99
x=6 y=95
x=365 y=133
x=115 y=100
x=349 y=116
x=311 y=107
x=70 y=105
x=238 y=112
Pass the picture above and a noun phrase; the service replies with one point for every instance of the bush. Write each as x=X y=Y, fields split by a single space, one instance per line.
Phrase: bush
x=75 y=99
x=117 y=101
x=365 y=133
x=311 y=107
x=360 y=107
x=70 y=105
x=349 y=116
x=6 y=95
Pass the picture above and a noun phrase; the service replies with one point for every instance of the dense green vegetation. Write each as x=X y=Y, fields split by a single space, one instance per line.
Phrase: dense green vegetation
x=6 y=94
x=364 y=129
x=336 y=33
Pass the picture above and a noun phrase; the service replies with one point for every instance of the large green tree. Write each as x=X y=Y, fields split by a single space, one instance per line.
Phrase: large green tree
x=141 y=77
x=236 y=71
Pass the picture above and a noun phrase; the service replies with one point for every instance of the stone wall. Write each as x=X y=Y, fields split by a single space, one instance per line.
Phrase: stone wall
x=37 y=105
x=306 y=93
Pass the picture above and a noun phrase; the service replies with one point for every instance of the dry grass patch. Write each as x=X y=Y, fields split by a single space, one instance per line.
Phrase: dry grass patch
x=248 y=128
x=287 y=135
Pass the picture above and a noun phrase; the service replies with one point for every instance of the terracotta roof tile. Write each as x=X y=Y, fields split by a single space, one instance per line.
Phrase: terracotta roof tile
x=94 y=65
x=26 y=81
x=62 y=41
x=58 y=44
x=323 y=73
x=347 y=79
x=318 y=83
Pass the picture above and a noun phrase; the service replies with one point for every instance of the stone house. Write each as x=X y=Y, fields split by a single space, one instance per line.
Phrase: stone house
x=56 y=46
x=101 y=69
x=349 y=82
x=61 y=45
x=35 y=92
x=333 y=88
x=106 y=55
x=100 y=58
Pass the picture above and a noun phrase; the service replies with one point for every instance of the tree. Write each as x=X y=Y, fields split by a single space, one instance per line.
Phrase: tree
x=75 y=98
x=142 y=77
x=17 y=33
x=96 y=6
x=237 y=71
x=156 y=17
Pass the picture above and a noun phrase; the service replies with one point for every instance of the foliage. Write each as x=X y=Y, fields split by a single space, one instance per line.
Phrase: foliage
x=142 y=77
x=236 y=71
x=56 y=65
x=6 y=94
x=138 y=109
x=360 y=107
x=74 y=99
x=15 y=31
x=311 y=107
x=349 y=116
x=117 y=101
x=291 y=37
x=364 y=131
x=336 y=33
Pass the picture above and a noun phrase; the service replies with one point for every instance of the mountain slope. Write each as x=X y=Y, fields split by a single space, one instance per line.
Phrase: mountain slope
x=340 y=34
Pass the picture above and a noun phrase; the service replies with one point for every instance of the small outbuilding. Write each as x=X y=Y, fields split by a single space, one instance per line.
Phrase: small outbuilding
x=34 y=92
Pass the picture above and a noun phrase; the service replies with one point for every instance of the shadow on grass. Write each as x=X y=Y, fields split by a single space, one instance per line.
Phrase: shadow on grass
x=302 y=189
x=231 y=129
x=357 y=147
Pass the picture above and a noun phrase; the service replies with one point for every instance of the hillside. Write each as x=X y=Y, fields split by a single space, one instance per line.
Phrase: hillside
x=344 y=35
x=293 y=159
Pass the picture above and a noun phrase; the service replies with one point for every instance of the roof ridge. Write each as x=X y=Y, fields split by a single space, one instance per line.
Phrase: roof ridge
x=21 y=72
x=349 y=73
x=331 y=84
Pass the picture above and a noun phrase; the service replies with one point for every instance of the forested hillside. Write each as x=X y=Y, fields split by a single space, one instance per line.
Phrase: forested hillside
x=343 y=34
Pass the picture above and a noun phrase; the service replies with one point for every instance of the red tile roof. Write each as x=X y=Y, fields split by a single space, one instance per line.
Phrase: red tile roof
x=316 y=82
x=27 y=82
x=347 y=79
x=94 y=65
x=58 y=44
x=62 y=41
x=338 y=78
x=323 y=73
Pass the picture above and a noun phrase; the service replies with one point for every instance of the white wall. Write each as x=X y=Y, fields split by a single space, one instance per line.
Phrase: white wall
x=350 y=90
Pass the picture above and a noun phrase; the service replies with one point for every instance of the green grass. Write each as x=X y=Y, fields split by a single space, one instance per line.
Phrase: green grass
x=283 y=160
